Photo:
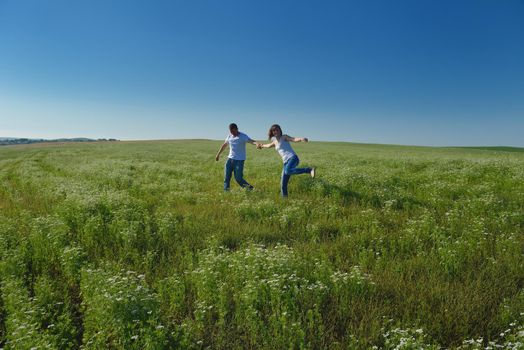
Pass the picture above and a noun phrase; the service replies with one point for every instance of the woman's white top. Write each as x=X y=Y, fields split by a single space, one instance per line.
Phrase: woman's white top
x=284 y=149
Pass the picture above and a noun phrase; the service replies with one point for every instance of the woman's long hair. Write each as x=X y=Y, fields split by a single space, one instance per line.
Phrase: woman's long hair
x=272 y=129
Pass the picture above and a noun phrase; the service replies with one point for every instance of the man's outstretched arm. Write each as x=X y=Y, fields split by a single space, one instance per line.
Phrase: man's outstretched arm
x=253 y=142
x=222 y=148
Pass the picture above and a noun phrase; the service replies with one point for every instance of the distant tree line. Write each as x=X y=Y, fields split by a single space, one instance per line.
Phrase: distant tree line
x=23 y=141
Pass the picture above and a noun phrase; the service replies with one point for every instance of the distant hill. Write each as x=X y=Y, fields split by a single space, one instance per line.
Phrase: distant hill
x=496 y=148
x=7 y=138
x=5 y=141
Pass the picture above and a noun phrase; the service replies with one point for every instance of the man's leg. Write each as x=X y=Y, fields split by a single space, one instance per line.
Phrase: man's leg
x=239 y=175
x=228 y=171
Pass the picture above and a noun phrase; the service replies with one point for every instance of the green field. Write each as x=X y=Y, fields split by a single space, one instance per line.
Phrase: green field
x=134 y=245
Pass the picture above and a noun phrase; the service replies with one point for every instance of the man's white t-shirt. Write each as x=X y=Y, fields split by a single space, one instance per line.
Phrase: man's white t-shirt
x=237 y=146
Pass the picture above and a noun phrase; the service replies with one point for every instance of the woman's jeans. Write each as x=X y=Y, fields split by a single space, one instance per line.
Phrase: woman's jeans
x=290 y=168
x=237 y=167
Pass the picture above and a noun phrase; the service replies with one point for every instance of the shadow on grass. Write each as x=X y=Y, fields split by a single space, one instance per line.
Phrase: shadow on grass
x=347 y=196
x=323 y=188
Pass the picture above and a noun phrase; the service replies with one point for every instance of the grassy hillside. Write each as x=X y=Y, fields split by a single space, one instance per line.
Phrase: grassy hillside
x=133 y=245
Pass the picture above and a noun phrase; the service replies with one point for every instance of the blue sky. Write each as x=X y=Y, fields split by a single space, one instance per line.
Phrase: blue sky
x=403 y=72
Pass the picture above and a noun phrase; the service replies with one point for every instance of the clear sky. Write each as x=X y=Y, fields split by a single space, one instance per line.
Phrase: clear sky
x=404 y=72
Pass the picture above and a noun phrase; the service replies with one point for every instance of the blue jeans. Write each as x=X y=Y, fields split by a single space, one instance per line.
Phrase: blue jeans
x=290 y=168
x=237 y=167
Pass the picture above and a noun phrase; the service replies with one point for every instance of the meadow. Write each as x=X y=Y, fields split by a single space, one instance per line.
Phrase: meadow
x=134 y=245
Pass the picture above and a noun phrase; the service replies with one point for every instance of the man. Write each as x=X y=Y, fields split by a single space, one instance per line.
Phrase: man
x=237 y=155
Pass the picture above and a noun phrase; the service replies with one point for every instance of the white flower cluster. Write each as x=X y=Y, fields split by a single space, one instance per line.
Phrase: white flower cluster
x=407 y=339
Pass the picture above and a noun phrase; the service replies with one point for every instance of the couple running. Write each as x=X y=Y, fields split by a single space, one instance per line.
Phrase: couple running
x=237 y=155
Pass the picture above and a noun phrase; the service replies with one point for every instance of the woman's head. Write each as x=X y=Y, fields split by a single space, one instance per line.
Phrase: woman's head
x=274 y=131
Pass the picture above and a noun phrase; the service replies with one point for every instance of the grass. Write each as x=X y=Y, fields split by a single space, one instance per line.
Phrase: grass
x=133 y=245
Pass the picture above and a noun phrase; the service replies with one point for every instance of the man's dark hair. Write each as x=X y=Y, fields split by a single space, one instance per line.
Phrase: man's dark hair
x=233 y=126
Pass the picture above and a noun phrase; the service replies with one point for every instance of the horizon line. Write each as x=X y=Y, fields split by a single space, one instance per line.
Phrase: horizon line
x=100 y=139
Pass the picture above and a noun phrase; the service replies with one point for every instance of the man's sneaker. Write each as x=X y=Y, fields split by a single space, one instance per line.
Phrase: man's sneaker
x=312 y=173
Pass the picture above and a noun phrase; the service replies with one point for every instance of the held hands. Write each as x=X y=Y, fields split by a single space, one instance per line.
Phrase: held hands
x=259 y=146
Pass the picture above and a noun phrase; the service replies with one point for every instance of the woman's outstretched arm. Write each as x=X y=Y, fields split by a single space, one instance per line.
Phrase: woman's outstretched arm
x=296 y=139
x=266 y=145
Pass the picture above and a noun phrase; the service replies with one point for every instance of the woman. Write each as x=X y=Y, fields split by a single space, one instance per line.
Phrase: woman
x=289 y=157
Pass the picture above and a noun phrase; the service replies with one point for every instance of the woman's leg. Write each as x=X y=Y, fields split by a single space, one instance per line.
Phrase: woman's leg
x=283 y=182
x=291 y=167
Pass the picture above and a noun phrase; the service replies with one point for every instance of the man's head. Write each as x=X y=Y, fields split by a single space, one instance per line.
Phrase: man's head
x=233 y=129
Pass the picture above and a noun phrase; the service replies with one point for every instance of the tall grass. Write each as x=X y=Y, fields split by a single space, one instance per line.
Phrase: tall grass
x=133 y=245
